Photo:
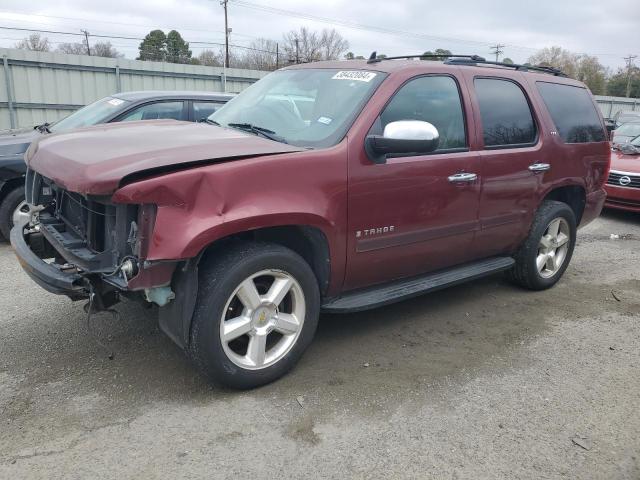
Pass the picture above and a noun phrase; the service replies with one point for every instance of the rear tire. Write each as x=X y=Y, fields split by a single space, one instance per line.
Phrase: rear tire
x=256 y=312
x=8 y=208
x=545 y=255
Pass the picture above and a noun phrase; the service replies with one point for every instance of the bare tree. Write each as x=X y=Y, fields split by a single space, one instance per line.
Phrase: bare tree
x=105 y=49
x=73 y=48
x=305 y=45
x=210 y=58
x=34 y=42
x=261 y=55
x=333 y=44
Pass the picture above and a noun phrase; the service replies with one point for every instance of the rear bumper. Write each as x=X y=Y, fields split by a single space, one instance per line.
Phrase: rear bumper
x=623 y=198
x=48 y=275
x=593 y=206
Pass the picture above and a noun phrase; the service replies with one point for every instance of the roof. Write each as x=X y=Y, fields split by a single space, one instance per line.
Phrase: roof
x=178 y=94
x=433 y=66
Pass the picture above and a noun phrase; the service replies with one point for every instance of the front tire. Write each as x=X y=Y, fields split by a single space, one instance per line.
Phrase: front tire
x=256 y=312
x=545 y=255
x=12 y=207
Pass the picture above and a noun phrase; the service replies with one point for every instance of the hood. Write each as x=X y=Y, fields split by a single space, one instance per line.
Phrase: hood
x=619 y=139
x=14 y=142
x=625 y=163
x=94 y=160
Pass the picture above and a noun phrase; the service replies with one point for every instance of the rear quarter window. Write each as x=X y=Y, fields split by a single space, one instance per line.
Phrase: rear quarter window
x=573 y=112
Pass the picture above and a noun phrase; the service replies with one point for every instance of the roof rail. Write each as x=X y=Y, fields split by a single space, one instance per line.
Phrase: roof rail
x=471 y=60
x=516 y=66
x=373 y=58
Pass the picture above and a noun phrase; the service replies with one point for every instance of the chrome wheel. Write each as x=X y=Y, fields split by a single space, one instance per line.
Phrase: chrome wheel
x=22 y=211
x=262 y=319
x=553 y=247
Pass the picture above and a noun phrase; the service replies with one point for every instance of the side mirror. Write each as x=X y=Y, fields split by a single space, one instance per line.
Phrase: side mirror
x=405 y=136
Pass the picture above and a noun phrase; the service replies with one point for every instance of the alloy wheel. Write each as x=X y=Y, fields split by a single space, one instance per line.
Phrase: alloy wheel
x=553 y=247
x=262 y=319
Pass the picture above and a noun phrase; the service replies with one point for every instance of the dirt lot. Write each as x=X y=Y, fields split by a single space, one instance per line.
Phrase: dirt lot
x=480 y=381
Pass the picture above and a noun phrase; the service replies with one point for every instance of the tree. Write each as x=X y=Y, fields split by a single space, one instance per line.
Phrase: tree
x=593 y=74
x=177 y=49
x=617 y=84
x=261 y=55
x=439 y=51
x=154 y=46
x=585 y=68
x=209 y=58
x=72 y=48
x=507 y=60
x=352 y=56
x=34 y=42
x=105 y=49
x=305 y=45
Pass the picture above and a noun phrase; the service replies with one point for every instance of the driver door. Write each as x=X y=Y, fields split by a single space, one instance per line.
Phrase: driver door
x=410 y=215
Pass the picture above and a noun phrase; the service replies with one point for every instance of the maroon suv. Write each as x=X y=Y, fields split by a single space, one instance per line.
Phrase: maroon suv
x=335 y=186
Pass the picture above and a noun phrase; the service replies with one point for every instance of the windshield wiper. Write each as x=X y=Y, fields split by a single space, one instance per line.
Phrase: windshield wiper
x=43 y=128
x=209 y=121
x=265 y=132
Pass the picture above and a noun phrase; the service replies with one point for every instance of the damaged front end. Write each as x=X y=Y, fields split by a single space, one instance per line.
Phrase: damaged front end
x=81 y=245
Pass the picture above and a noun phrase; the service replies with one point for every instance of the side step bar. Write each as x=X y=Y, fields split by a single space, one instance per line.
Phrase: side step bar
x=385 y=294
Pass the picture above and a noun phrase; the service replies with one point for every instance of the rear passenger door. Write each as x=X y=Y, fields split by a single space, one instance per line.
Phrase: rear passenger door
x=508 y=139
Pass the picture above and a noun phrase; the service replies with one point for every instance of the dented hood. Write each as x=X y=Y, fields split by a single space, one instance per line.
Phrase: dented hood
x=94 y=160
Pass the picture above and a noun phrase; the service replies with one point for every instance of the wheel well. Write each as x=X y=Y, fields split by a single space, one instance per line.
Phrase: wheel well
x=10 y=185
x=308 y=242
x=572 y=195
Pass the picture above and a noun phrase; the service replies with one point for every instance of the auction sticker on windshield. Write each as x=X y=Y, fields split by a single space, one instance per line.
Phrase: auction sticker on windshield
x=354 y=75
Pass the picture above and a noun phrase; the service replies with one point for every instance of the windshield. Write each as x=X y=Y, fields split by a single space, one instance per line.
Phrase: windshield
x=92 y=114
x=306 y=107
x=629 y=129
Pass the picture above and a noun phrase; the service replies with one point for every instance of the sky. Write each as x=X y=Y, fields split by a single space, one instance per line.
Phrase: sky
x=607 y=29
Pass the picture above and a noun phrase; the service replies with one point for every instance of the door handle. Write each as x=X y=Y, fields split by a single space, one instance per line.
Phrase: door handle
x=539 y=167
x=463 y=178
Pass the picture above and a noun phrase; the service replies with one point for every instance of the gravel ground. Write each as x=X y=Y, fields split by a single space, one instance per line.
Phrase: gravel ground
x=479 y=381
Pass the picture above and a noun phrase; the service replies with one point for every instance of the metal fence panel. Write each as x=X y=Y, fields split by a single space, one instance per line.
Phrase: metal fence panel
x=37 y=87
x=609 y=106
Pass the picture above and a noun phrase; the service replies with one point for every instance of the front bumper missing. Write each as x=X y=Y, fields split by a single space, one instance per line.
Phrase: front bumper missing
x=50 y=276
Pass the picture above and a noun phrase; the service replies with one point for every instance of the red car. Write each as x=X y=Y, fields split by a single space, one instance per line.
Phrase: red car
x=339 y=186
x=623 y=185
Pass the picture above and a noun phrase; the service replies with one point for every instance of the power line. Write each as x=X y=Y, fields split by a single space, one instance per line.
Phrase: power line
x=119 y=37
x=85 y=20
x=347 y=23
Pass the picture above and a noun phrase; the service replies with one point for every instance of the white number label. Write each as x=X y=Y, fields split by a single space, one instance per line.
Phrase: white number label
x=358 y=75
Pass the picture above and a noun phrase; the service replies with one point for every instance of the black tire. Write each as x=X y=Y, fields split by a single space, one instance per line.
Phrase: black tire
x=7 y=207
x=219 y=277
x=525 y=272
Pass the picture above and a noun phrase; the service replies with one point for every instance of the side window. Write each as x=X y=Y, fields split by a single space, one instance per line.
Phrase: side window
x=506 y=116
x=202 y=110
x=573 y=112
x=433 y=99
x=154 y=111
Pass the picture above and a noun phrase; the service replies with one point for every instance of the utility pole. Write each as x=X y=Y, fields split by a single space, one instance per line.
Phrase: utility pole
x=86 y=37
x=226 y=33
x=277 y=57
x=629 y=60
x=297 y=51
x=497 y=50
